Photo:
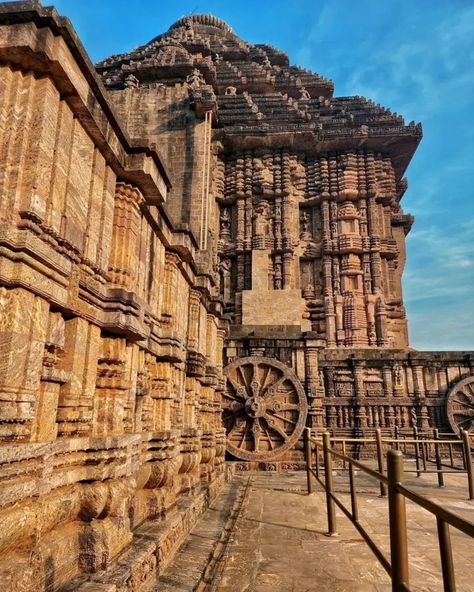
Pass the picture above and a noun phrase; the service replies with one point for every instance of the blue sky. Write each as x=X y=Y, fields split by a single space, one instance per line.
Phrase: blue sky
x=415 y=57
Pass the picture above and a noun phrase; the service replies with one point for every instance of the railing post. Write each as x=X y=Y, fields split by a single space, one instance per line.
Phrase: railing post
x=423 y=452
x=468 y=462
x=307 y=454
x=439 y=465
x=378 y=439
x=331 y=511
x=316 y=452
x=397 y=521
x=354 y=506
x=446 y=555
x=417 y=450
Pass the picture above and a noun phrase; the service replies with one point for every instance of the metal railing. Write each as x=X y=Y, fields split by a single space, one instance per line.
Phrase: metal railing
x=397 y=566
x=418 y=446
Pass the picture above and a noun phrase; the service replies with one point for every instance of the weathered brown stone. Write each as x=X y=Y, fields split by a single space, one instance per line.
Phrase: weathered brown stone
x=272 y=239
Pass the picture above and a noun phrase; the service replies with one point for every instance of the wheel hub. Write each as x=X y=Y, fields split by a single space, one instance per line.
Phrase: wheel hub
x=255 y=407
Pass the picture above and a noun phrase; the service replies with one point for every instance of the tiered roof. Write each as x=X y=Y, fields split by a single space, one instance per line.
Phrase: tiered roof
x=257 y=91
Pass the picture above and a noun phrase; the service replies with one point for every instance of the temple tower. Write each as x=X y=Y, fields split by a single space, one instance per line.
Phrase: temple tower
x=293 y=196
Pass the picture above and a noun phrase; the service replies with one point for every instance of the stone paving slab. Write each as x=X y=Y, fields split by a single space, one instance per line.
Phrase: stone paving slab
x=277 y=539
x=280 y=543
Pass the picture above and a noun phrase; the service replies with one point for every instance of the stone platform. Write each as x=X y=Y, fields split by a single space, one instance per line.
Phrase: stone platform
x=268 y=535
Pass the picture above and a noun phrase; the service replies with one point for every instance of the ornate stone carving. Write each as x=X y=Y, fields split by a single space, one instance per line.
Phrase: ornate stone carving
x=460 y=405
x=264 y=408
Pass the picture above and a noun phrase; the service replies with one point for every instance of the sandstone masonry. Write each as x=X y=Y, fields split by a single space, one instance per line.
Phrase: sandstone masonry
x=237 y=269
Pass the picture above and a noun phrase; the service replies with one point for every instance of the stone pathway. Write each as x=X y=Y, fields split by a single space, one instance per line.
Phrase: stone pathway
x=265 y=534
x=280 y=545
x=195 y=562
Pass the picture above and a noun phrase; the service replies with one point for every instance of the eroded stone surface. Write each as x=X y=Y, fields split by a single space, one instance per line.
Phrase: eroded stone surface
x=269 y=225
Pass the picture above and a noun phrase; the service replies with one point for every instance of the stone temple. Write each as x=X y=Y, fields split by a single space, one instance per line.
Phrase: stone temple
x=201 y=254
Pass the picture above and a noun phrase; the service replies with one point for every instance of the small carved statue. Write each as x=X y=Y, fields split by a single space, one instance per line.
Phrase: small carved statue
x=131 y=81
x=225 y=224
x=263 y=177
x=304 y=94
x=195 y=79
x=231 y=90
x=305 y=226
x=397 y=372
x=261 y=219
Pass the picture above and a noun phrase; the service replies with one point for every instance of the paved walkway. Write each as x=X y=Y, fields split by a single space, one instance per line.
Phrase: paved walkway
x=264 y=534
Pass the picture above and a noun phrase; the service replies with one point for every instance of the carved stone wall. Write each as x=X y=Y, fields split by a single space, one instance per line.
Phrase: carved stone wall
x=328 y=227
x=111 y=438
x=260 y=277
x=349 y=392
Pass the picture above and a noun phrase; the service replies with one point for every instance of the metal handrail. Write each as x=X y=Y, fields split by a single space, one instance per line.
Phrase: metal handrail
x=420 y=454
x=397 y=567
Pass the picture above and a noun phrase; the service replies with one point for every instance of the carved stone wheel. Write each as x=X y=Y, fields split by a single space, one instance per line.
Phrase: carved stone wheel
x=460 y=405
x=264 y=408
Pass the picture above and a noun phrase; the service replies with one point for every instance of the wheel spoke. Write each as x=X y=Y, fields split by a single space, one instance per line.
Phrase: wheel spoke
x=235 y=429
x=242 y=375
x=242 y=441
x=464 y=403
x=240 y=391
x=227 y=395
x=264 y=383
x=283 y=418
x=284 y=406
x=274 y=426
x=464 y=420
x=278 y=382
x=270 y=443
x=234 y=410
x=256 y=431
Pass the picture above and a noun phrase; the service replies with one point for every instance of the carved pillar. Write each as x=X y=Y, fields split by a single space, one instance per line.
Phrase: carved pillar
x=420 y=395
x=170 y=281
x=76 y=398
x=313 y=386
x=24 y=325
x=45 y=425
x=124 y=256
x=112 y=387
x=359 y=403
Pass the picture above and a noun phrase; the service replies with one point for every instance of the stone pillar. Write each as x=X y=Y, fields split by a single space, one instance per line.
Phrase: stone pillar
x=112 y=387
x=123 y=262
x=24 y=324
x=359 y=403
x=312 y=378
x=420 y=396
x=45 y=424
